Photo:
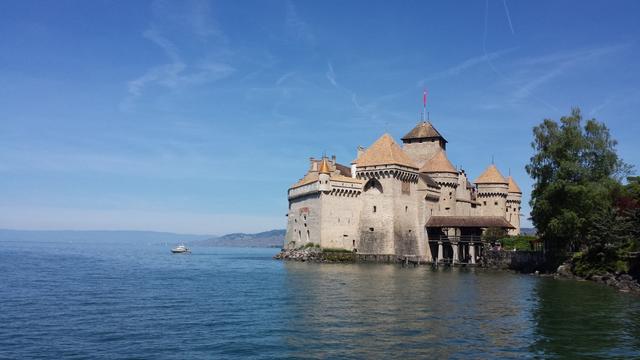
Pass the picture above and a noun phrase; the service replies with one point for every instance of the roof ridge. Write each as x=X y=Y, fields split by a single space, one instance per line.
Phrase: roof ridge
x=385 y=151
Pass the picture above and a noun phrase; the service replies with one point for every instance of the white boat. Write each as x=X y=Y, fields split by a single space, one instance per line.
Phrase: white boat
x=180 y=249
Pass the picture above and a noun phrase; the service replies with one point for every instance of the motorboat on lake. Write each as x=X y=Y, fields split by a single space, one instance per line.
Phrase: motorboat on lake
x=180 y=249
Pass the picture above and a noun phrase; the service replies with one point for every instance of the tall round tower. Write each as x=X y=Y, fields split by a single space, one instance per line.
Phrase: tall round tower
x=514 y=200
x=442 y=171
x=492 y=192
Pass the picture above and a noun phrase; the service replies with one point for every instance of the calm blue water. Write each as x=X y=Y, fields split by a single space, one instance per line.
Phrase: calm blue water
x=61 y=300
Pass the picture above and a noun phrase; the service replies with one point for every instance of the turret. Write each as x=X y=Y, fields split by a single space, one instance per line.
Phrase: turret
x=440 y=169
x=423 y=142
x=324 y=174
x=492 y=192
x=514 y=200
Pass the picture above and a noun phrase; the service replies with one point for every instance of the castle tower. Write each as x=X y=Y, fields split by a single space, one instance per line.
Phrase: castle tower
x=492 y=192
x=389 y=222
x=423 y=142
x=440 y=169
x=514 y=200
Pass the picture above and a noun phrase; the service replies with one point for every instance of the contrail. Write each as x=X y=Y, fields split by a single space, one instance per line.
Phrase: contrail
x=506 y=10
x=488 y=59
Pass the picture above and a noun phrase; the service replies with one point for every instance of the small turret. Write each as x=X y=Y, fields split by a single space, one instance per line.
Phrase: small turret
x=445 y=174
x=514 y=200
x=492 y=192
x=324 y=174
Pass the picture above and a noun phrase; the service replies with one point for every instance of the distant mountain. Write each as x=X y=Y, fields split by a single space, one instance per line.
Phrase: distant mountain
x=98 y=236
x=273 y=238
x=528 y=231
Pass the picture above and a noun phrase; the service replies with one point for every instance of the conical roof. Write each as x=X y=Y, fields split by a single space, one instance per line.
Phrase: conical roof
x=385 y=151
x=491 y=176
x=324 y=167
x=424 y=130
x=439 y=163
x=513 y=187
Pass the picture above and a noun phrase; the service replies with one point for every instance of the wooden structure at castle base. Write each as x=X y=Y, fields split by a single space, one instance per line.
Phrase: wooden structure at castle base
x=457 y=240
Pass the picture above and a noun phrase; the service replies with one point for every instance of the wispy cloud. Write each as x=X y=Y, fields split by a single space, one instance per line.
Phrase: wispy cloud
x=282 y=79
x=536 y=71
x=465 y=65
x=331 y=75
x=178 y=72
x=200 y=19
x=506 y=11
x=296 y=26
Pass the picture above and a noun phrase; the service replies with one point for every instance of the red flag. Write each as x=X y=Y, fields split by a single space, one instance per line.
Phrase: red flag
x=424 y=97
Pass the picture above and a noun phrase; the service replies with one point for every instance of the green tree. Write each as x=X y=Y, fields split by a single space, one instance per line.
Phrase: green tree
x=493 y=234
x=575 y=170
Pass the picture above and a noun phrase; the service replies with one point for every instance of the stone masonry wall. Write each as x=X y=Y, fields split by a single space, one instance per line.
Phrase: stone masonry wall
x=303 y=221
x=421 y=152
x=340 y=221
x=376 y=228
x=523 y=261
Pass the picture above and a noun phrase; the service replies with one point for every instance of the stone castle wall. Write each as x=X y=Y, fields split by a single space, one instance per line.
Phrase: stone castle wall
x=420 y=152
x=340 y=219
x=304 y=221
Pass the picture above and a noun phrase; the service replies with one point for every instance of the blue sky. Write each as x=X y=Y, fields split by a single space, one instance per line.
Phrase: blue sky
x=196 y=116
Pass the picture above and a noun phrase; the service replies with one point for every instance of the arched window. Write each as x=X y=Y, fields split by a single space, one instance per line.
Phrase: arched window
x=373 y=185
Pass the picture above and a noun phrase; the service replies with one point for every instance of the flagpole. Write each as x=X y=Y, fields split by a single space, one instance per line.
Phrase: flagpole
x=424 y=103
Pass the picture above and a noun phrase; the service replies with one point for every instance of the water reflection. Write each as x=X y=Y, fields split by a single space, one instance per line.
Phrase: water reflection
x=585 y=320
x=370 y=310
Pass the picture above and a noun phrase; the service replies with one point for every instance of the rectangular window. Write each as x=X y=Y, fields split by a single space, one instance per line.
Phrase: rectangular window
x=374 y=208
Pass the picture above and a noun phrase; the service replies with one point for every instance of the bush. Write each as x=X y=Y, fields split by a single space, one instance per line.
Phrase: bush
x=598 y=262
x=519 y=242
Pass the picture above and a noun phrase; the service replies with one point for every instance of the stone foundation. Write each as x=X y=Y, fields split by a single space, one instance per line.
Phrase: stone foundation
x=522 y=261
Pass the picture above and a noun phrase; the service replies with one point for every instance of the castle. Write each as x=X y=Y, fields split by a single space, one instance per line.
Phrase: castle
x=405 y=201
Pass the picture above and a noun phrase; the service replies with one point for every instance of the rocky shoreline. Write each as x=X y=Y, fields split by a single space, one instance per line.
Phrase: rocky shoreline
x=315 y=255
x=621 y=281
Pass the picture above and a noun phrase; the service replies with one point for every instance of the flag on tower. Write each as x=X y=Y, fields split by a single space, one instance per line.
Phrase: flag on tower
x=424 y=97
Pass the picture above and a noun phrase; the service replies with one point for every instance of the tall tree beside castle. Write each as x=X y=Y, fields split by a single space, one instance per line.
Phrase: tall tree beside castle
x=576 y=170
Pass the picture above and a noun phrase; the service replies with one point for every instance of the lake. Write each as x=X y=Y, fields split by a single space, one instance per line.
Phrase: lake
x=76 y=301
